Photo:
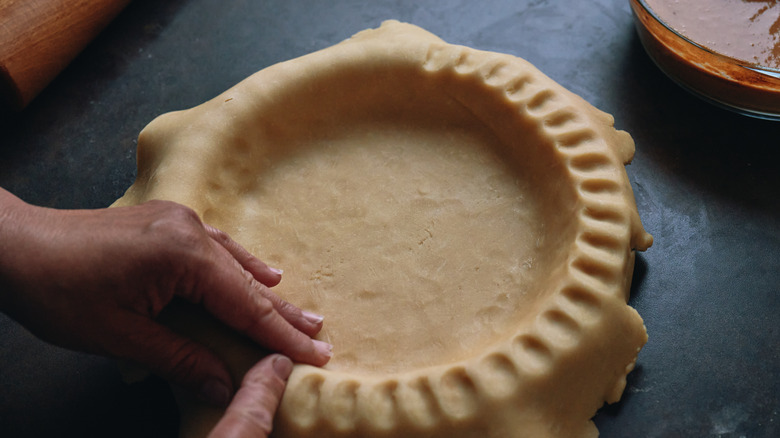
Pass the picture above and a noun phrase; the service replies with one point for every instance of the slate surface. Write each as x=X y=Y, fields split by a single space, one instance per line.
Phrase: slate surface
x=706 y=183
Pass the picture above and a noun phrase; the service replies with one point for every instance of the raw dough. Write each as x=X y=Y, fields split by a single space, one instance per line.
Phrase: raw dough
x=465 y=224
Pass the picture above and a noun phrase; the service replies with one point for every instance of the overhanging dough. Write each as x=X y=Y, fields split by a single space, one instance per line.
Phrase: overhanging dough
x=465 y=224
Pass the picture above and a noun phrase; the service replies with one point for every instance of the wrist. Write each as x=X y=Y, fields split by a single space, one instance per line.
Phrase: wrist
x=10 y=206
x=13 y=214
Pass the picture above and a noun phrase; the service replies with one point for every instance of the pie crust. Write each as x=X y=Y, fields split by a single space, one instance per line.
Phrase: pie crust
x=465 y=224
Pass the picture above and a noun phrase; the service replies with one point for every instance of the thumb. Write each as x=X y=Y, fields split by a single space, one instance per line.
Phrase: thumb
x=181 y=361
x=252 y=410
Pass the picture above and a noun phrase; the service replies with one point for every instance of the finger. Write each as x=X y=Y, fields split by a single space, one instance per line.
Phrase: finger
x=177 y=359
x=307 y=322
x=262 y=272
x=252 y=410
x=236 y=300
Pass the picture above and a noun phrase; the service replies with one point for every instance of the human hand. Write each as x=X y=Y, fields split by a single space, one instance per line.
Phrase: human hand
x=251 y=412
x=94 y=280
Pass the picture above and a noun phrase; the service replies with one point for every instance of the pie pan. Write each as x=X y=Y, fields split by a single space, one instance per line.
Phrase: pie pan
x=734 y=84
x=465 y=224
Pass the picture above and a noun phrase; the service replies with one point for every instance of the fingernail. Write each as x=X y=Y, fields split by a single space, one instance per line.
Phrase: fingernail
x=282 y=366
x=215 y=392
x=323 y=348
x=276 y=270
x=312 y=317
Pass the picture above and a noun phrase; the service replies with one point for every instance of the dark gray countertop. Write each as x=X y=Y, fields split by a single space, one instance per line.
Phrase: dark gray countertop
x=706 y=182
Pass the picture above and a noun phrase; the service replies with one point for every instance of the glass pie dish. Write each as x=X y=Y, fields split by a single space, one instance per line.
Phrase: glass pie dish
x=747 y=87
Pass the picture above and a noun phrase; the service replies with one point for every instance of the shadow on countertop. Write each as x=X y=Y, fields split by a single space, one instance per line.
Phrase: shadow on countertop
x=715 y=150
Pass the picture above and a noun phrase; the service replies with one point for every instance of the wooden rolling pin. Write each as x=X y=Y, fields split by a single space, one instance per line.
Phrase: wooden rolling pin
x=39 y=38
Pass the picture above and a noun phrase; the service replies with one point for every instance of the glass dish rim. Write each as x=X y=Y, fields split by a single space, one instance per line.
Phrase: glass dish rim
x=758 y=68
